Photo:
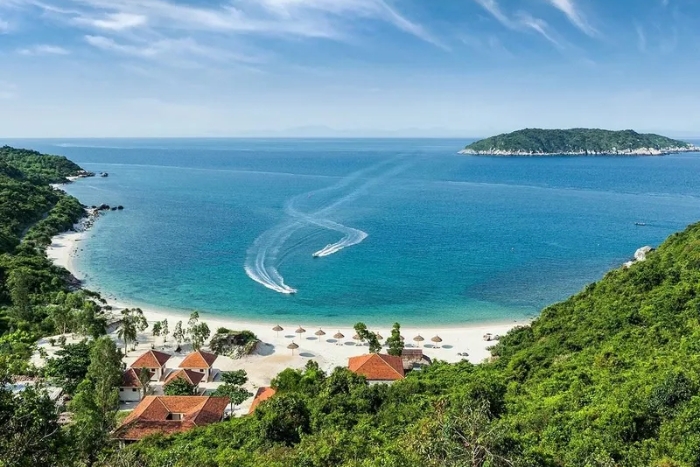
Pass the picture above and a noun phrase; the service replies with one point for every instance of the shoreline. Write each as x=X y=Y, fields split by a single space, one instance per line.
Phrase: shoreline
x=457 y=339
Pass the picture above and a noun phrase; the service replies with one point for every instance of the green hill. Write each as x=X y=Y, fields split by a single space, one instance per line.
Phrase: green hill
x=578 y=141
x=609 y=377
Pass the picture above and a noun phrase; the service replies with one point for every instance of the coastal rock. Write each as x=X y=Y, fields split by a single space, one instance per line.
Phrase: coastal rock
x=641 y=253
x=639 y=256
x=104 y=174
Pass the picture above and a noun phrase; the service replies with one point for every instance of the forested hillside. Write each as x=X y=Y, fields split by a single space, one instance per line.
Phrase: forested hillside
x=610 y=377
x=31 y=212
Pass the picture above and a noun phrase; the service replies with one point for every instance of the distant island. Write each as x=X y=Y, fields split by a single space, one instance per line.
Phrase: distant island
x=577 y=142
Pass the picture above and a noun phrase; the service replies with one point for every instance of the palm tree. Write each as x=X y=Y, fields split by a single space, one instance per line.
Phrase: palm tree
x=132 y=323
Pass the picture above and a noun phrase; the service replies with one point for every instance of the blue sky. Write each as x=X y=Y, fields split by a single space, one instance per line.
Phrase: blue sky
x=84 y=68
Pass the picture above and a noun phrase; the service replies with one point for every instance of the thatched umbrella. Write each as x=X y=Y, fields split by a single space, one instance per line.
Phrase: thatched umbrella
x=292 y=346
x=338 y=335
x=436 y=339
x=379 y=336
x=320 y=333
x=418 y=339
x=356 y=337
x=277 y=329
x=300 y=331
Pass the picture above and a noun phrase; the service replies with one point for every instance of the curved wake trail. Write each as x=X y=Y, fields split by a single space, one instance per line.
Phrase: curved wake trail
x=263 y=255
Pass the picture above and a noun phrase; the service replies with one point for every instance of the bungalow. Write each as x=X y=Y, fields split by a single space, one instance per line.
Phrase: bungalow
x=200 y=362
x=130 y=387
x=263 y=394
x=188 y=375
x=170 y=414
x=154 y=362
x=377 y=368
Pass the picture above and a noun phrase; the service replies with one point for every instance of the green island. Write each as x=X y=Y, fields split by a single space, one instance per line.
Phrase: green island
x=609 y=377
x=577 y=142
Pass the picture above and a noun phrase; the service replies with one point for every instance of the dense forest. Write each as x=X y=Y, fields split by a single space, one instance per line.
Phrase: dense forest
x=609 y=377
x=576 y=141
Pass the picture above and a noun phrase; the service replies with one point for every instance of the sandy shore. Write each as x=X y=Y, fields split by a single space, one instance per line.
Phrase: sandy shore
x=274 y=357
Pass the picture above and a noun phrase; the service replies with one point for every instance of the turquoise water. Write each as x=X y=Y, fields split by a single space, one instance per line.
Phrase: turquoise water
x=227 y=226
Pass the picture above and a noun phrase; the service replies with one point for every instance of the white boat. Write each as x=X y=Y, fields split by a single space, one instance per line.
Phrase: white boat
x=319 y=253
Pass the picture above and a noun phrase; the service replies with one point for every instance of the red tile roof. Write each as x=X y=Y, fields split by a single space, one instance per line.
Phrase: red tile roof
x=154 y=415
x=190 y=376
x=130 y=378
x=377 y=367
x=198 y=360
x=263 y=394
x=151 y=359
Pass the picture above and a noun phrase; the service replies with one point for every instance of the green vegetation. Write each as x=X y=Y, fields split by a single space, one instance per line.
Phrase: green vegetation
x=610 y=377
x=179 y=387
x=233 y=387
x=575 y=141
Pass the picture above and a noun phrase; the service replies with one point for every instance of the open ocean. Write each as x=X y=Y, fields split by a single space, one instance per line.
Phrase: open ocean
x=405 y=230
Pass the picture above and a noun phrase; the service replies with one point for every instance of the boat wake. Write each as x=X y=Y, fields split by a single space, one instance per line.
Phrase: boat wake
x=270 y=248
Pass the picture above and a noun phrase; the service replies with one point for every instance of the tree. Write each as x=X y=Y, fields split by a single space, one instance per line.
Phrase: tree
x=178 y=333
x=179 y=387
x=394 y=341
x=369 y=337
x=29 y=432
x=157 y=329
x=284 y=418
x=164 y=330
x=133 y=322
x=199 y=334
x=233 y=387
x=69 y=366
x=63 y=318
x=145 y=380
x=96 y=400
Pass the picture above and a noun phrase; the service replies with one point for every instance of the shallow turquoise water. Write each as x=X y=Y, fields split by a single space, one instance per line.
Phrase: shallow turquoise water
x=450 y=239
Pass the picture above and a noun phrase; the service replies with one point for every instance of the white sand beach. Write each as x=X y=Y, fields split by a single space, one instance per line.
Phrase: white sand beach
x=273 y=355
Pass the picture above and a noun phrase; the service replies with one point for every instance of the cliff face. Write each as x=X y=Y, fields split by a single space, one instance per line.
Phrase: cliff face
x=577 y=142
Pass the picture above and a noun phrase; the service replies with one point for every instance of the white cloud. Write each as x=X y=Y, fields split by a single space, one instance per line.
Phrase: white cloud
x=641 y=38
x=4 y=26
x=43 y=49
x=7 y=90
x=569 y=8
x=114 y=21
x=521 y=22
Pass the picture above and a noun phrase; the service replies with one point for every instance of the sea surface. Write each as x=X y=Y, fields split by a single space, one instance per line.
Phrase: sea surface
x=403 y=230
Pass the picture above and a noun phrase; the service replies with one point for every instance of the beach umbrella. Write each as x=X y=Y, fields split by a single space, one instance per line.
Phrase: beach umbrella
x=338 y=335
x=300 y=331
x=320 y=333
x=356 y=337
x=277 y=329
x=292 y=346
x=436 y=339
x=418 y=339
x=379 y=336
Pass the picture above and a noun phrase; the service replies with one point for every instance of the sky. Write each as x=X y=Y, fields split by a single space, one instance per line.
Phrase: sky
x=462 y=68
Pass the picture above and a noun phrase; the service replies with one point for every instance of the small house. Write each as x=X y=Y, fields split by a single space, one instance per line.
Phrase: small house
x=130 y=389
x=154 y=362
x=190 y=376
x=263 y=394
x=170 y=414
x=377 y=368
x=200 y=362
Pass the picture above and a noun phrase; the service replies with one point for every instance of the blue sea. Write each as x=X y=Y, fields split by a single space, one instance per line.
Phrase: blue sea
x=335 y=231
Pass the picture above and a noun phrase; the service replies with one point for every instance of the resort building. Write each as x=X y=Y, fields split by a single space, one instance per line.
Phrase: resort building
x=377 y=368
x=170 y=414
x=200 y=362
x=130 y=388
x=263 y=394
x=190 y=376
x=154 y=362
